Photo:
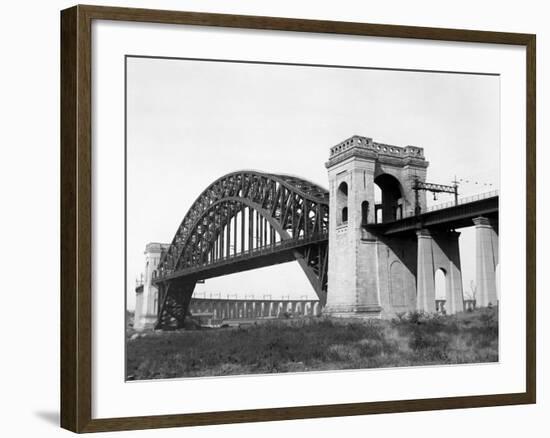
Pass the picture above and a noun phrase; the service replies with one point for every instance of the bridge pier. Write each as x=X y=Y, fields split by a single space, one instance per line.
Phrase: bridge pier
x=425 y=286
x=486 y=261
x=439 y=251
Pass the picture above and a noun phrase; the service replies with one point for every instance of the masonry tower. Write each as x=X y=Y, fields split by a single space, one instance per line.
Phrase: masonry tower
x=145 y=315
x=371 y=276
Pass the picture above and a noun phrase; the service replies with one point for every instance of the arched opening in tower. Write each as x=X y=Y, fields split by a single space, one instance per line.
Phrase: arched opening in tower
x=440 y=290
x=389 y=205
x=342 y=204
x=364 y=213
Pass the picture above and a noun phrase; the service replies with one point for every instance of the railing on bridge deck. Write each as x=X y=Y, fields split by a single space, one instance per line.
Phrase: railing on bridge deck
x=458 y=214
x=250 y=297
x=249 y=253
x=461 y=201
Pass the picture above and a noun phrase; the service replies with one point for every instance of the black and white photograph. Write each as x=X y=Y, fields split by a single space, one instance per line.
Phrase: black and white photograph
x=274 y=219
x=300 y=218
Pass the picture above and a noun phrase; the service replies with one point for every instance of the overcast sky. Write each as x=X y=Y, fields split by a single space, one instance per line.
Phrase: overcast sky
x=190 y=122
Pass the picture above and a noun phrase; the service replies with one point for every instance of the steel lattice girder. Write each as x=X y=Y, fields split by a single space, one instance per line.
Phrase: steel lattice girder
x=292 y=207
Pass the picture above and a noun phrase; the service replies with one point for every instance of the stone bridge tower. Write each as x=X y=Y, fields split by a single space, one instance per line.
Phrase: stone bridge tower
x=369 y=275
x=145 y=315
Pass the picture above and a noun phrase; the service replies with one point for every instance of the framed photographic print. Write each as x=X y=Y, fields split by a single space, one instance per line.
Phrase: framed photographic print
x=271 y=218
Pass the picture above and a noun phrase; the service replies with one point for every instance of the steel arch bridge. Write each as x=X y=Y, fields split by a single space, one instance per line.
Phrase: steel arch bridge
x=244 y=220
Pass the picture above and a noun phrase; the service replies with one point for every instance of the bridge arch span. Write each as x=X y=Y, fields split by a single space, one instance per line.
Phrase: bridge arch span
x=250 y=215
x=293 y=206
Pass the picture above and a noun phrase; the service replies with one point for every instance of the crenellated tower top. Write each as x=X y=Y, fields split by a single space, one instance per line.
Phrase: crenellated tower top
x=364 y=146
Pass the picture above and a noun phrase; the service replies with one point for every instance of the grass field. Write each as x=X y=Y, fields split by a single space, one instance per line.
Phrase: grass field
x=316 y=343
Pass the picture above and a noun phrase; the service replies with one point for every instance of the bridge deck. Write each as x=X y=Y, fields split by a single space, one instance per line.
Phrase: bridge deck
x=456 y=216
x=280 y=252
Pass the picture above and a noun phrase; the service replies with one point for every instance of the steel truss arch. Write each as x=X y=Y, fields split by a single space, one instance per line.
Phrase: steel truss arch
x=294 y=204
x=244 y=211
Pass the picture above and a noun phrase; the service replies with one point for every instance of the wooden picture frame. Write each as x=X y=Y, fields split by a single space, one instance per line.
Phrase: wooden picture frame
x=76 y=217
